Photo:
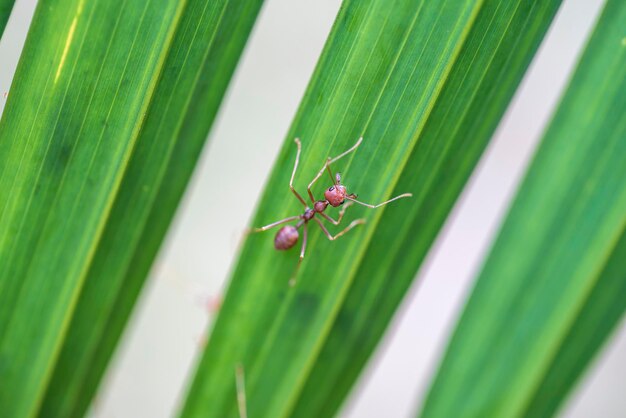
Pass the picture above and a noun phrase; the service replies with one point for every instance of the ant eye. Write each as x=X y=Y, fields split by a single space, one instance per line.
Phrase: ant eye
x=331 y=188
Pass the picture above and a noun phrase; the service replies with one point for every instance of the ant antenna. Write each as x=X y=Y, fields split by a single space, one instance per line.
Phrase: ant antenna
x=240 y=383
x=380 y=204
x=327 y=168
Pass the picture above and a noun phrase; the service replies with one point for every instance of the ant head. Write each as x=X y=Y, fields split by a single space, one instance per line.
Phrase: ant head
x=335 y=195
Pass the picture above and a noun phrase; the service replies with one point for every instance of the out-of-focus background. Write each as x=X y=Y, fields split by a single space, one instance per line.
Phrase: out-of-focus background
x=169 y=326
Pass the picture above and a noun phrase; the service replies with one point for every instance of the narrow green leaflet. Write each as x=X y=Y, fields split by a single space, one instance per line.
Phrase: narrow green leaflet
x=5 y=11
x=208 y=42
x=497 y=51
x=380 y=76
x=601 y=312
x=82 y=86
x=552 y=288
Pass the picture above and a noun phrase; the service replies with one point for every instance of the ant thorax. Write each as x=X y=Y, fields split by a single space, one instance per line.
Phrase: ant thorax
x=320 y=206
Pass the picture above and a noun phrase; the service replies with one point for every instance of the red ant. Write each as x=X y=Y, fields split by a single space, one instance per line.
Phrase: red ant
x=335 y=195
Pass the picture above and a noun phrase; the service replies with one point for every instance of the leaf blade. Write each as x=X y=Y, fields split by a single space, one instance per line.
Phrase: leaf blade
x=61 y=162
x=560 y=238
x=206 y=46
x=356 y=87
x=5 y=12
x=495 y=55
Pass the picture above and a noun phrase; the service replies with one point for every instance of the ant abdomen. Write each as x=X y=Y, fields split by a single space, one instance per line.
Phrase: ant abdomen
x=286 y=237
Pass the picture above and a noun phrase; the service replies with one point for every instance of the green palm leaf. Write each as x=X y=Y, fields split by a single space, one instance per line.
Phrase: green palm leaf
x=5 y=11
x=495 y=55
x=208 y=41
x=552 y=288
x=396 y=74
x=82 y=86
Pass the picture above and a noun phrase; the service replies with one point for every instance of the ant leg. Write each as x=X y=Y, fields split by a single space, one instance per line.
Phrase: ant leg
x=327 y=167
x=380 y=204
x=349 y=227
x=272 y=225
x=330 y=173
x=292 y=281
x=293 y=173
x=343 y=210
x=240 y=383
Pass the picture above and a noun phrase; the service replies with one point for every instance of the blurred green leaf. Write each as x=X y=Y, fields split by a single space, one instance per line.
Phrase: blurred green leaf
x=5 y=11
x=206 y=47
x=396 y=73
x=499 y=46
x=84 y=81
x=552 y=288
x=599 y=314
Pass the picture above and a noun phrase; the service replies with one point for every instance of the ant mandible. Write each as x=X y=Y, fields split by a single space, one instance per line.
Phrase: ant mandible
x=335 y=195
